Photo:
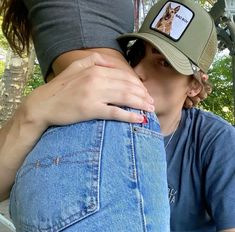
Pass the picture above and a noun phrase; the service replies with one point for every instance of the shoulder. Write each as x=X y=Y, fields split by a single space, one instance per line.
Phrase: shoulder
x=209 y=133
x=198 y=114
x=206 y=122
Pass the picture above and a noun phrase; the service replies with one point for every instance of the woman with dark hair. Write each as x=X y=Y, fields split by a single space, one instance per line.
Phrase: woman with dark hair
x=83 y=153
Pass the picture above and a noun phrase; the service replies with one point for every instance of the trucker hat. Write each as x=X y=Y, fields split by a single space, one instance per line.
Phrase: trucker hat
x=182 y=31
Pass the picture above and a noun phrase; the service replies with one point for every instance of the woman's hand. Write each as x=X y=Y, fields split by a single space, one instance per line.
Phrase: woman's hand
x=90 y=88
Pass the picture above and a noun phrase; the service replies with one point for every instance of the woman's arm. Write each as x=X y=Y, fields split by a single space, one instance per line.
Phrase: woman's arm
x=16 y=138
x=90 y=88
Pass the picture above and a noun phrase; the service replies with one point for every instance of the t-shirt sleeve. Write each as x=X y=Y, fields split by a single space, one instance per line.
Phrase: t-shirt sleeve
x=60 y=26
x=219 y=170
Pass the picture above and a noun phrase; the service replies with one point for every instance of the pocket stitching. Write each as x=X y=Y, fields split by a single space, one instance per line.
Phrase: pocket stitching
x=145 y=131
x=93 y=204
x=53 y=161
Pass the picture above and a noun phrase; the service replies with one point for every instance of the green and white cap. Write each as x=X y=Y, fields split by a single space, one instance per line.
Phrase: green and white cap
x=182 y=31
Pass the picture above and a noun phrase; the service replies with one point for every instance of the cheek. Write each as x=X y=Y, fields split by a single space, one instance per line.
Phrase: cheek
x=175 y=93
x=160 y=88
x=166 y=92
x=160 y=93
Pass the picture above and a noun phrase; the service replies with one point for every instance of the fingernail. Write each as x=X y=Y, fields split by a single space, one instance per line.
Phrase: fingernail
x=140 y=118
x=145 y=120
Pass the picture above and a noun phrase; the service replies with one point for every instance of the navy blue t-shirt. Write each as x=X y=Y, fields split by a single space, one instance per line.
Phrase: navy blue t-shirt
x=201 y=173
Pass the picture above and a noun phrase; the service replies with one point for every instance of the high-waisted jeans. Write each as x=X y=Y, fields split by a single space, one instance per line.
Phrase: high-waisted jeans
x=94 y=176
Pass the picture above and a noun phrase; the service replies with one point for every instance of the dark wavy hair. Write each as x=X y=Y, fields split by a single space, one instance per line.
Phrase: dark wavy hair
x=135 y=52
x=15 y=25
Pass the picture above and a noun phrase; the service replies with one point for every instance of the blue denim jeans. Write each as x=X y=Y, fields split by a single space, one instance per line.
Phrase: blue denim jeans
x=94 y=176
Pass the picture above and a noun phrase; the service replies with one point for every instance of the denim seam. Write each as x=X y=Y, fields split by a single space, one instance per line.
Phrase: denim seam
x=28 y=167
x=100 y=161
x=137 y=180
x=60 y=226
x=53 y=129
x=133 y=165
x=145 y=131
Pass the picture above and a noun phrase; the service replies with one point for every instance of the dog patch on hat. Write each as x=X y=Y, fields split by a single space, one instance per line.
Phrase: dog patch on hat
x=172 y=20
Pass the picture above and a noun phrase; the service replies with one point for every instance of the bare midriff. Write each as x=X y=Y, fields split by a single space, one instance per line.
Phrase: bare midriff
x=65 y=59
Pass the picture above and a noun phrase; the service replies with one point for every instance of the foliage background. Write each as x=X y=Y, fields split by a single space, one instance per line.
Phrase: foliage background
x=221 y=100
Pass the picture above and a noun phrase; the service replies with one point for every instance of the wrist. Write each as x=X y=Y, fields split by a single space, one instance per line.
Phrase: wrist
x=20 y=135
x=30 y=116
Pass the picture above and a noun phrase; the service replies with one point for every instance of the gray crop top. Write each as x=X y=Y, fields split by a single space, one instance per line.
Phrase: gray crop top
x=61 y=26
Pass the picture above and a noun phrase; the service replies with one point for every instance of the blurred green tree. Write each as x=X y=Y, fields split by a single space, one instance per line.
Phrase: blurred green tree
x=220 y=100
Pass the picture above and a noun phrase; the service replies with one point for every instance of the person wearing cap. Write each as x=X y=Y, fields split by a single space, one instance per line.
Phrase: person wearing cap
x=95 y=175
x=200 y=146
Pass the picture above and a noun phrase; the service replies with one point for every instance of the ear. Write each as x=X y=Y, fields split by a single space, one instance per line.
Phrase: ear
x=169 y=6
x=177 y=9
x=194 y=88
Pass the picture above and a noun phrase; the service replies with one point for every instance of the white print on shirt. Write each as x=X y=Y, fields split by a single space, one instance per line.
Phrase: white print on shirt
x=171 y=194
x=172 y=20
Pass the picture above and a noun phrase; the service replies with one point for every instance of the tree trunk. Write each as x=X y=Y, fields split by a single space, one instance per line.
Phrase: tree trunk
x=17 y=71
x=141 y=8
x=136 y=14
x=1 y=93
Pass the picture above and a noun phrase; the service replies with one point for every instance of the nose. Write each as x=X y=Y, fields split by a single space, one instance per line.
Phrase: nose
x=140 y=72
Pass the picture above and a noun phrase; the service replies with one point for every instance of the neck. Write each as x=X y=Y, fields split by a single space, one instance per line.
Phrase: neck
x=169 y=121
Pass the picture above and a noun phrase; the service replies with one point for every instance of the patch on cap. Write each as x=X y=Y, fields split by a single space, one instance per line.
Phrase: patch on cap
x=172 y=20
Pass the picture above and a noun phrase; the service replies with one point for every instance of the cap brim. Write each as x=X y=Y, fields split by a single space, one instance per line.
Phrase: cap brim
x=176 y=58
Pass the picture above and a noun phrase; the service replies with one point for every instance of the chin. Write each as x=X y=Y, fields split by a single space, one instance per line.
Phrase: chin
x=159 y=111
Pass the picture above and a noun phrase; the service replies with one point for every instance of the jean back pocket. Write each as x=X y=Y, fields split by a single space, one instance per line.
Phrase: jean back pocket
x=58 y=184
